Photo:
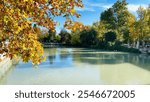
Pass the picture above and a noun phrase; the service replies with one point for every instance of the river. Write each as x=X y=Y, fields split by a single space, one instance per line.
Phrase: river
x=78 y=66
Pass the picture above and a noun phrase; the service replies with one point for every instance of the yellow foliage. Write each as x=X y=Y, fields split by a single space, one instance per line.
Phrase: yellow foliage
x=16 y=17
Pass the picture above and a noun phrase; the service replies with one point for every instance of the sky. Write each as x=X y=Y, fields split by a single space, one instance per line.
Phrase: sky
x=93 y=8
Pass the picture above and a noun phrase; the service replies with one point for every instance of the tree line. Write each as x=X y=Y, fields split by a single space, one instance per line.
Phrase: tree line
x=117 y=26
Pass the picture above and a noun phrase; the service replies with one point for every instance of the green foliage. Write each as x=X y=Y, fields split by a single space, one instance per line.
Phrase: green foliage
x=143 y=24
x=58 y=38
x=88 y=37
x=110 y=36
x=48 y=36
x=117 y=26
x=116 y=18
x=51 y=36
x=101 y=29
x=108 y=17
x=65 y=37
x=75 y=38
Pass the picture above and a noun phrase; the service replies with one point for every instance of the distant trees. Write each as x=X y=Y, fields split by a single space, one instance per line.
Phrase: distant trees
x=88 y=37
x=128 y=29
x=117 y=26
x=51 y=36
x=143 y=25
x=48 y=36
x=75 y=38
x=65 y=37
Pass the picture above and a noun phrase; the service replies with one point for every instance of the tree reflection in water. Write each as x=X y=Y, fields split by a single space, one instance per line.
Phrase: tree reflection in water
x=98 y=57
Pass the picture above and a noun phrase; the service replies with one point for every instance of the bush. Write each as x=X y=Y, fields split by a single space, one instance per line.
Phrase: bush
x=110 y=36
x=88 y=37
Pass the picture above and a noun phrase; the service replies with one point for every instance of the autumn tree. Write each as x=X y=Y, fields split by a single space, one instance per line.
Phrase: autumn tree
x=17 y=17
x=143 y=25
x=101 y=28
x=76 y=33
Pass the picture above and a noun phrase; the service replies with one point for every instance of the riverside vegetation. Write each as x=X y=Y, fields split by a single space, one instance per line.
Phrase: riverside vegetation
x=116 y=27
x=117 y=30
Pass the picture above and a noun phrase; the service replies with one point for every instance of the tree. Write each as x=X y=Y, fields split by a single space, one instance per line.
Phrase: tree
x=75 y=34
x=58 y=38
x=88 y=37
x=116 y=18
x=16 y=20
x=110 y=36
x=75 y=38
x=101 y=28
x=129 y=32
x=108 y=18
x=51 y=36
x=47 y=36
x=143 y=25
x=65 y=37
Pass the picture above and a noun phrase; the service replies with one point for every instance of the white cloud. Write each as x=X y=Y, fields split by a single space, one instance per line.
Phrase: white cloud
x=131 y=7
x=134 y=7
x=100 y=5
x=93 y=7
x=85 y=9
x=107 y=6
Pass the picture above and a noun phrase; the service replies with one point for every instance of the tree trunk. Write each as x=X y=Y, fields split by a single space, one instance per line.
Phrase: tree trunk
x=138 y=44
x=128 y=43
x=143 y=43
x=134 y=44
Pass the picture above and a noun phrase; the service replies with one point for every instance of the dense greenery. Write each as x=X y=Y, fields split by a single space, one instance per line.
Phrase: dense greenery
x=117 y=29
x=49 y=36
x=88 y=37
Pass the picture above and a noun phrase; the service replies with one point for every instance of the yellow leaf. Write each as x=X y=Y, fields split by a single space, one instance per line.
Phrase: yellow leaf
x=73 y=11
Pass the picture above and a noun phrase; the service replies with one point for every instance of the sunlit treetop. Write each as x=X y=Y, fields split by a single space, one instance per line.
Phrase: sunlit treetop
x=69 y=24
x=16 y=20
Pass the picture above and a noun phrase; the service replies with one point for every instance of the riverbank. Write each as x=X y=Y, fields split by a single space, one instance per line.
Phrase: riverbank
x=112 y=48
x=5 y=65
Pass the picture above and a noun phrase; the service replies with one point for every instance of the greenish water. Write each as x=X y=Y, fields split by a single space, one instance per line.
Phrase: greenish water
x=82 y=66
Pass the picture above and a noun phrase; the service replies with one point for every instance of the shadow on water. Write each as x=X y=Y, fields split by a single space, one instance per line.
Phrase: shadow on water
x=142 y=61
x=99 y=57
x=54 y=59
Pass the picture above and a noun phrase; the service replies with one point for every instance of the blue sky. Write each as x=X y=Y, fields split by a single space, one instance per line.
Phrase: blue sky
x=92 y=9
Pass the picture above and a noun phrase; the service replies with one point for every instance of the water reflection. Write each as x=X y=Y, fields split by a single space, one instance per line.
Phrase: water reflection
x=82 y=66
x=101 y=57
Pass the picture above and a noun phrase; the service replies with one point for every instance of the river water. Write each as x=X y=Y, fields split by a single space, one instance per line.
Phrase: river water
x=78 y=66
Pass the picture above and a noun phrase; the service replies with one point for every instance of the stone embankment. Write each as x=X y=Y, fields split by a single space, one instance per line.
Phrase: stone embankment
x=5 y=66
